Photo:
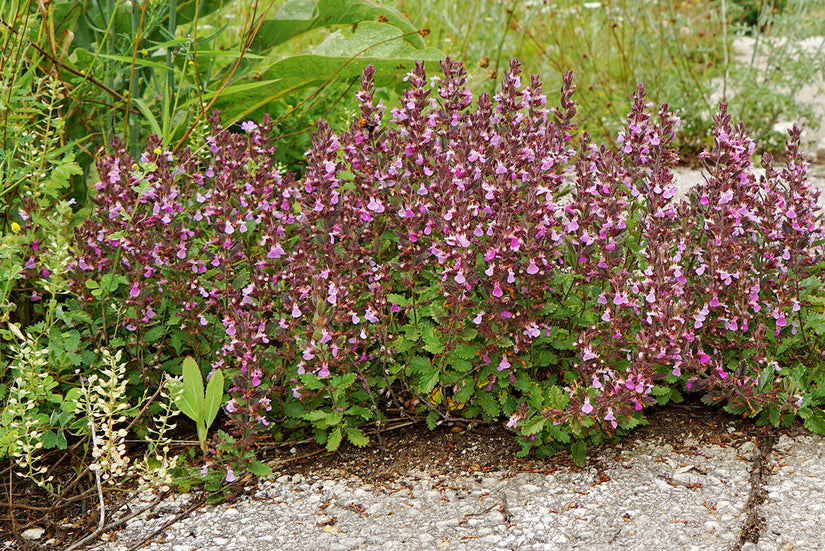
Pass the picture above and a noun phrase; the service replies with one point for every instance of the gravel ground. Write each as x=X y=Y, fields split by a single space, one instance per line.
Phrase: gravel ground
x=649 y=496
x=694 y=479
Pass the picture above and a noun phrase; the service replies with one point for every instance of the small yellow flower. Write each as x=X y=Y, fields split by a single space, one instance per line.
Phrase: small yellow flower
x=191 y=63
x=15 y=227
x=157 y=151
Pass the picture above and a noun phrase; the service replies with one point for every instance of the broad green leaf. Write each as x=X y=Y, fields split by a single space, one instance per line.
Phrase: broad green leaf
x=344 y=54
x=488 y=403
x=533 y=426
x=432 y=342
x=259 y=469
x=315 y=415
x=579 y=452
x=190 y=398
x=428 y=381
x=297 y=17
x=334 y=439
x=357 y=437
x=214 y=397
x=311 y=381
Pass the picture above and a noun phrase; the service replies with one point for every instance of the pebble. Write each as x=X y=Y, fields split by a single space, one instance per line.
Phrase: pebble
x=650 y=505
x=33 y=533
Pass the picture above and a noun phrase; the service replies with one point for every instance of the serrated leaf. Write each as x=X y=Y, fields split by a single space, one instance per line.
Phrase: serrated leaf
x=459 y=364
x=334 y=439
x=399 y=300
x=488 y=403
x=814 y=420
x=314 y=415
x=154 y=334
x=259 y=469
x=463 y=394
x=311 y=381
x=428 y=381
x=343 y=381
x=578 y=451
x=465 y=351
x=432 y=419
x=357 y=437
x=432 y=342
x=533 y=426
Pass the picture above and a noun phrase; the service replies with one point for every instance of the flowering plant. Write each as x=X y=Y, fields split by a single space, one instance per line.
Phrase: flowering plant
x=473 y=258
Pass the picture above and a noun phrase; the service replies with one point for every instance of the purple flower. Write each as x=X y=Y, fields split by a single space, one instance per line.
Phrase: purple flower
x=248 y=126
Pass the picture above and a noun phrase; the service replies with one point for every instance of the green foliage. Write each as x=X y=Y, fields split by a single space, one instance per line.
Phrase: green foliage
x=189 y=397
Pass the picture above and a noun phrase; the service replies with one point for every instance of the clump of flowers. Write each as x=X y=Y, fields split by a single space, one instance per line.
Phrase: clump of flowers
x=479 y=257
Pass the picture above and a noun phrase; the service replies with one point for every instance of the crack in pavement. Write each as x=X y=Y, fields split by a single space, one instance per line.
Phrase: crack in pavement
x=754 y=520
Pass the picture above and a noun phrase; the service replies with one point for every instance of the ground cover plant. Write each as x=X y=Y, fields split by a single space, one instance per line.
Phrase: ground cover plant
x=441 y=253
x=483 y=259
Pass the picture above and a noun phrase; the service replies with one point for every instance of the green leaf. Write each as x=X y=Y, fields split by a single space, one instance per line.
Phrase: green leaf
x=259 y=469
x=463 y=395
x=432 y=419
x=533 y=426
x=311 y=381
x=190 y=398
x=154 y=334
x=579 y=452
x=814 y=420
x=334 y=439
x=297 y=17
x=428 y=381
x=432 y=342
x=214 y=397
x=488 y=403
x=315 y=415
x=343 y=53
x=399 y=300
x=465 y=351
x=357 y=437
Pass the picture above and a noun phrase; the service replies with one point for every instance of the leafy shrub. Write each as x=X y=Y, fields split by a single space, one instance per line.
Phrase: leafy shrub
x=471 y=258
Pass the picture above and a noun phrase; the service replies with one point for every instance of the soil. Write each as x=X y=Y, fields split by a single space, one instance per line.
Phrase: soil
x=459 y=449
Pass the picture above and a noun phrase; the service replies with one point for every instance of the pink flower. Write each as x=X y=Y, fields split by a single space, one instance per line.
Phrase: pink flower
x=230 y=476
x=532 y=269
x=703 y=358
x=497 y=291
x=296 y=312
x=504 y=364
x=375 y=206
x=587 y=407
